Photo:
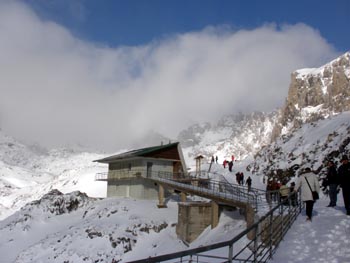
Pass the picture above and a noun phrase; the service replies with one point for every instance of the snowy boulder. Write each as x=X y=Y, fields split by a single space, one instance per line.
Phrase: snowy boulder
x=57 y=203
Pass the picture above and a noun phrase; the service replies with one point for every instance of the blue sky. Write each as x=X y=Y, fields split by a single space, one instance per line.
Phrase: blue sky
x=111 y=73
x=136 y=22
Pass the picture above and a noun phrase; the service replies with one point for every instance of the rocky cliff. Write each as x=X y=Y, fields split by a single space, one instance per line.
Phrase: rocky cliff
x=313 y=126
x=315 y=94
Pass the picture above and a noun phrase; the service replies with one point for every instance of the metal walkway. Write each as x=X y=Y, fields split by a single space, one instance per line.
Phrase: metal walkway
x=275 y=220
x=218 y=191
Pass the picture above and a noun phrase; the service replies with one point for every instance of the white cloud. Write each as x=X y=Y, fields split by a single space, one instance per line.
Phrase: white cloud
x=56 y=89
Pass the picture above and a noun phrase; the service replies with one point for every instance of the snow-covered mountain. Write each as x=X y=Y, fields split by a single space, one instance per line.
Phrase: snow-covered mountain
x=313 y=126
x=241 y=135
x=316 y=93
x=28 y=172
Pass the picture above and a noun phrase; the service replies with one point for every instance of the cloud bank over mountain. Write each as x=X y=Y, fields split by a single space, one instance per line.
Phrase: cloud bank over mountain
x=58 y=90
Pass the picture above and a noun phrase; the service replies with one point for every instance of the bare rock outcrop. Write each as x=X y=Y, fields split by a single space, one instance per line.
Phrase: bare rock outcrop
x=316 y=94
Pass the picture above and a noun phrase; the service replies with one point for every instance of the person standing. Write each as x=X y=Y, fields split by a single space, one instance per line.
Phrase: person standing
x=241 y=179
x=306 y=181
x=344 y=179
x=249 y=183
x=332 y=181
x=230 y=165
x=216 y=159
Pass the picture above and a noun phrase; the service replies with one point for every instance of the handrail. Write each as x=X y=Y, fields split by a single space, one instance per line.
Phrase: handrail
x=255 y=197
x=211 y=188
x=260 y=248
x=266 y=239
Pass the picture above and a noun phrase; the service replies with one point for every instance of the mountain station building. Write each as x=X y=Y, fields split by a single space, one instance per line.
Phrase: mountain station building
x=130 y=173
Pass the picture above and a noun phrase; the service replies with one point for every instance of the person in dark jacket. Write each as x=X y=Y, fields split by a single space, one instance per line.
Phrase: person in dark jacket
x=230 y=165
x=249 y=183
x=344 y=179
x=333 y=182
x=241 y=178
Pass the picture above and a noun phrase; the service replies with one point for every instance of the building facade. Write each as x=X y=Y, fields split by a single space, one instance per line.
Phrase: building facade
x=130 y=174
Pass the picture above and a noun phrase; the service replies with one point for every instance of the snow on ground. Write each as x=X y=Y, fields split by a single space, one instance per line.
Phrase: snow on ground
x=324 y=240
x=125 y=229
x=239 y=166
x=29 y=172
x=308 y=146
x=76 y=228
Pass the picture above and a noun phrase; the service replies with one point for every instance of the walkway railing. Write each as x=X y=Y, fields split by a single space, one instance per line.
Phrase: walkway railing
x=269 y=231
x=200 y=184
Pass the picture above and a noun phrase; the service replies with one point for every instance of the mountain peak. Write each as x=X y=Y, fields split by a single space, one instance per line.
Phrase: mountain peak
x=342 y=61
x=316 y=94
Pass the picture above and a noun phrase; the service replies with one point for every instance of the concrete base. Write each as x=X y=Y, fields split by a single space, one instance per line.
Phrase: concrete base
x=193 y=218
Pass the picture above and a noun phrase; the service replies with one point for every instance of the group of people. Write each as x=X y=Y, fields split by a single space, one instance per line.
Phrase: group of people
x=308 y=182
x=272 y=190
x=240 y=178
x=339 y=178
x=225 y=162
x=239 y=175
x=214 y=159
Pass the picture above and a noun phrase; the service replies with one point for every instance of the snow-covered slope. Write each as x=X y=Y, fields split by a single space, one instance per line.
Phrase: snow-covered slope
x=310 y=146
x=76 y=228
x=28 y=172
x=314 y=123
x=240 y=135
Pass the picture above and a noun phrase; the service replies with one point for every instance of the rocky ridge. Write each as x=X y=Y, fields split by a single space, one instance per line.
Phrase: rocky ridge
x=317 y=105
x=316 y=93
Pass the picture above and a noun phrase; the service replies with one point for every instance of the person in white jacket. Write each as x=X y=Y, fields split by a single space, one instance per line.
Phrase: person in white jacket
x=306 y=193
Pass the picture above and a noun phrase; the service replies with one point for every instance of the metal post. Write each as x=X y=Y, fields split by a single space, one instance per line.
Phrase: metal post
x=256 y=244
x=270 y=234
x=230 y=253
x=281 y=214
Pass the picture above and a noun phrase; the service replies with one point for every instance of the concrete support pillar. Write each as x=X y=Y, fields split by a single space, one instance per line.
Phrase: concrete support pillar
x=161 y=198
x=183 y=197
x=250 y=215
x=214 y=214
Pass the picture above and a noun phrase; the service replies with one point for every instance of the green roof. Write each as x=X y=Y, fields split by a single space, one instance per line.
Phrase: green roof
x=136 y=153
